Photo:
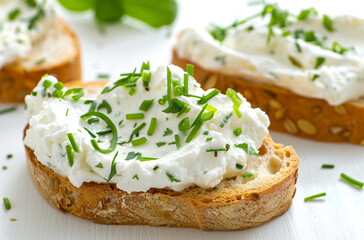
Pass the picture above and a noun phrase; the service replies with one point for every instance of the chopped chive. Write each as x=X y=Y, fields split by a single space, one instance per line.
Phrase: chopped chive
x=207 y=116
x=6 y=110
x=132 y=155
x=69 y=155
x=100 y=133
x=227 y=147
x=225 y=120
x=130 y=116
x=136 y=177
x=326 y=20
x=67 y=112
x=315 y=76
x=237 y=111
x=146 y=78
x=14 y=14
x=206 y=133
x=190 y=95
x=198 y=118
x=120 y=123
x=319 y=62
x=208 y=139
x=103 y=76
x=310 y=198
x=269 y=93
x=139 y=141
x=159 y=144
x=184 y=124
x=193 y=132
x=113 y=168
x=169 y=85
x=204 y=99
x=211 y=108
x=99 y=165
x=93 y=120
x=247 y=175
x=167 y=132
x=144 y=159
x=73 y=142
x=185 y=83
x=112 y=127
x=214 y=188
x=247 y=148
x=190 y=68
x=59 y=85
x=77 y=93
x=93 y=105
x=173 y=179
x=146 y=104
x=7 y=203
x=155 y=168
x=239 y=166
x=9 y=156
x=57 y=93
x=106 y=105
x=327 y=166
x=237 y=131
x=152 y=126
x=131 y=91
x=176 y=139
x=89 y=132
x=232 y=94
x=34 y=94
x=140 y=127
x=352 y=181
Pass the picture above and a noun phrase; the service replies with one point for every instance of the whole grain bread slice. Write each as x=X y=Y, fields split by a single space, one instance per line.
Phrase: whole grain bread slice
x=234 y=204
x=58 y=54
x=287 y=111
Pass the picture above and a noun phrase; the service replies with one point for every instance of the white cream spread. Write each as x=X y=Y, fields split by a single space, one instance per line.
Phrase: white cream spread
x=286 y=61
x=51 y=119
x=21 y=25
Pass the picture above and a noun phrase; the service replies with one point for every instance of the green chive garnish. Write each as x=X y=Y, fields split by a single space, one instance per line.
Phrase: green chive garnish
x=67 y=112
x=227 y=147
x=185 y=83
x=99 y=165
x=247 y=175
x=34 y=94
x=113 y=168
x=225 y=120
x=198 y=118
x=315 y=76
x=14 y=14
x=173 y=179
x=146 y=78
x=139 y=141
x=131 y=91
x=152 y=126
x=167 y=132
x=193 y=132
x=247 y=148
x=106 y=105
x=352 y=181
x=155 y=168
x=176 y=139
x=73 y=142
x=69 y=155
x=208 y=139
x=319 y=62
x=9 y=156
x=326 y=20
x=140 y=127
x=327 y=166
x=237 y=131
x=93 y=120
x=112 y=128
x=6 y=110
x=169 y=85
x=206 y=133
x=146 y=104
x=184 y=124
x=89 y=132
x=204 y=99
x=130 y=116
x=310 y=198
x=100 y=133
x=103 y=76
x=136 y=177
x=207 y=116
x=160 y=144
x=76 y=92
x=239 y=166
x=7 y=203
x=144 y=159
x=132 y=155
x=190 y=68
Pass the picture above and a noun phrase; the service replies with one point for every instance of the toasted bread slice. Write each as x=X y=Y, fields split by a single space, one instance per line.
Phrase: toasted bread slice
x=234 y=204
x=57 y=54
x=287 y=111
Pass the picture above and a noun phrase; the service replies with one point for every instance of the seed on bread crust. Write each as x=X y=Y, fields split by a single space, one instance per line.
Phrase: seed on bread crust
x=275 y=104
x=53 y=184
x=279 y=114
x=210 y=82
x=290 y=126
x=316 y=110
x=340 y=109
x=248 y=94
x=306 y=127
x=336 y=129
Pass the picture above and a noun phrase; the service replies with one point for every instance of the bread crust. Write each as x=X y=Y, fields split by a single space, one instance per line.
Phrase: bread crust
x=236 y=204
x=19 y=78
x=288 y=112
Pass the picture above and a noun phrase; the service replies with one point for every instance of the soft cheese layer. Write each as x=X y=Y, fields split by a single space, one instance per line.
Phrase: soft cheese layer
x=284 y=60
x=158 y=163
x=21 y=26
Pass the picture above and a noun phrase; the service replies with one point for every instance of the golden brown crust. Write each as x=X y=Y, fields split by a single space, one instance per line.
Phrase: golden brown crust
x=289 y=112
x=16 y=80
x=237 y=203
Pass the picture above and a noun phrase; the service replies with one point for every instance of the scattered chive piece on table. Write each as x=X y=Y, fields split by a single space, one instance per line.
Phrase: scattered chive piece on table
x=73 y=142
x=7 y=203
x=139 y=141
x=134 y=116
x=103 y=76
x=69 y=155
x=6 y=110
x=352 y=181
x=327 y=166
x=310 y=198
x=152 y=126
x=247 y=175
x=9 y=156
x=146 y=104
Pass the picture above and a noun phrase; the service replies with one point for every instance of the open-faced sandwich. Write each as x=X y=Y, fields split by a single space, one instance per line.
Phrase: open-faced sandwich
x=34 y=41
x=153 y=148
x=305 y=71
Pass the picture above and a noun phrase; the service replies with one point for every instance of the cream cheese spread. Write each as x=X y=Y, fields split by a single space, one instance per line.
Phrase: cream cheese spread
x=305 y=56
x=22 y=24
x=200 y=137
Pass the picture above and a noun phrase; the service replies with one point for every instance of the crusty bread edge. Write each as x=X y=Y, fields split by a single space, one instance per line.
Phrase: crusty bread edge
x=16 y=81
x=235 y=208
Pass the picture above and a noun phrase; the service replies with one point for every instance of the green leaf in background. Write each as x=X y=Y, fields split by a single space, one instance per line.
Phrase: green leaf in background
x=155 y=13
x=108 y=10
x=77 y=5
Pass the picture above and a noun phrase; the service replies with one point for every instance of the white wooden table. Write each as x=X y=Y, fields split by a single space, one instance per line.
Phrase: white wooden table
x=340 y=215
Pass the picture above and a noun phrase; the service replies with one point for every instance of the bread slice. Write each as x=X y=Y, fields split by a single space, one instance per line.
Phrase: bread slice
x=234 y=204
x=287 y=111
x=57 y=54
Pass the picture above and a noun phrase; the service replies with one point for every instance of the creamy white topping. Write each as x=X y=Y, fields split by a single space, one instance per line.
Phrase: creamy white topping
x=21 y=25
x=51 y=118
x=286 y=61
